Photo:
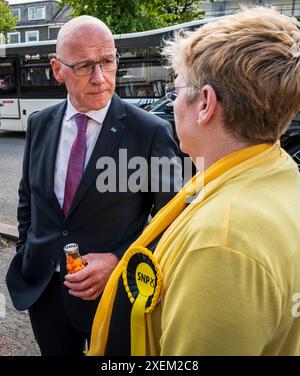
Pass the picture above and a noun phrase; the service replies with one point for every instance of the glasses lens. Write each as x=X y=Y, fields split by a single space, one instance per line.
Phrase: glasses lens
x=108 y=64
x=172 y=96
x=170 y=92
x=83 y=69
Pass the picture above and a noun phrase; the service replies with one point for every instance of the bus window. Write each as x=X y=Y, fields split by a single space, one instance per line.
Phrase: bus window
x=138 y=79
x=8 y=88
x=37 y=81
x=134 y=52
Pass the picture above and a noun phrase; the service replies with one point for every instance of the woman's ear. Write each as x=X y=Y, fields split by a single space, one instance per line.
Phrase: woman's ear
x=207 y=104
x=57 y=71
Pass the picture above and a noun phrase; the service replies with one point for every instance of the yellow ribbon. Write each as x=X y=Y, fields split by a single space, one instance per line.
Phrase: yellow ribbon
x=137 y=326
x=146 y=278
x=172 y=212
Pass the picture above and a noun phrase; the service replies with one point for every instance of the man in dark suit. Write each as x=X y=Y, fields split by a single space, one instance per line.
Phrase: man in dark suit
x=62 y=199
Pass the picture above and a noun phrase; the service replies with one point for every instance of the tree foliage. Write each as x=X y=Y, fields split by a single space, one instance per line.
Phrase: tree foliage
x=7 y=20
x=124 y=16
x=171 y=12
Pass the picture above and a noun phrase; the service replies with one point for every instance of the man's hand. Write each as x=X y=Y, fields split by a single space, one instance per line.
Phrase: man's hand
x=90 y=282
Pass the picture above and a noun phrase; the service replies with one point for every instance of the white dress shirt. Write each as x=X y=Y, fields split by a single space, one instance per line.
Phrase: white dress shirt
x=67 y=136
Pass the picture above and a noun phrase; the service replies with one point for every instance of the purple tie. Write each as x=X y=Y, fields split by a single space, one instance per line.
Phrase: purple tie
x=76 y=161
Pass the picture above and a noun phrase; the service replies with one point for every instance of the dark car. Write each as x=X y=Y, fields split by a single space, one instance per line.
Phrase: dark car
x=290 y=140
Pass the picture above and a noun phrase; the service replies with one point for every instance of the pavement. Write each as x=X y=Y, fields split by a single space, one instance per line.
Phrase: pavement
x=11 y=155
x=16 y=337
x=9 y=231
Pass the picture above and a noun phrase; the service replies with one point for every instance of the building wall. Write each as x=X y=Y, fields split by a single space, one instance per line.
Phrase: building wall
x=54 y=17
x=47 y=27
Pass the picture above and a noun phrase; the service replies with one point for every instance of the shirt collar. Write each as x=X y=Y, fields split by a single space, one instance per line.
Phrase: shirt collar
x=98 y=116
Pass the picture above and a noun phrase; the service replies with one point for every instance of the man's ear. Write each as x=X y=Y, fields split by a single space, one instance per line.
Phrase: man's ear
x=207 y=104
x=57 y=71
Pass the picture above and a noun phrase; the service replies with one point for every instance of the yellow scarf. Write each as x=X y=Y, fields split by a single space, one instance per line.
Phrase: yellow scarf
x=173 y=214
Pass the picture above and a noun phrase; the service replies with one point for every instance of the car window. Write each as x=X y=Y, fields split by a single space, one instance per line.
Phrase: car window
x=156 y=103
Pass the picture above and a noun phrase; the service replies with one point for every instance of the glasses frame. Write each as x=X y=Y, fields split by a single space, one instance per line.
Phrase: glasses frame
x=93 y=65
x=171 y=90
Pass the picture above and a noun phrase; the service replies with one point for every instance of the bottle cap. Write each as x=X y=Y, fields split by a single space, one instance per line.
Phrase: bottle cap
x=71 y=248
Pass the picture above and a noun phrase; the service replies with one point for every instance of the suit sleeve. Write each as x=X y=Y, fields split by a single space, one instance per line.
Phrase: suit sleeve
x=24 y=206
x=165 y=173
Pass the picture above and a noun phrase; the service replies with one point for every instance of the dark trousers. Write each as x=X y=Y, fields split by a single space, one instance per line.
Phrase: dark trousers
x=51 y=326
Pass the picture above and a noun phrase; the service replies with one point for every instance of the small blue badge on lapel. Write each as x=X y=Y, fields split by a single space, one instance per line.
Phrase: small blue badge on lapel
x=113 y=129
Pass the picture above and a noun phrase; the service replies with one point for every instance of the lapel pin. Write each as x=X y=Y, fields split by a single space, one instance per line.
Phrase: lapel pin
x=113 y=129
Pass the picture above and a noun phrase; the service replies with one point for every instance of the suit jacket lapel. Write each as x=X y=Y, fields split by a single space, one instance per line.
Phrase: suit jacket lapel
x=109 y=137
x=54 y=128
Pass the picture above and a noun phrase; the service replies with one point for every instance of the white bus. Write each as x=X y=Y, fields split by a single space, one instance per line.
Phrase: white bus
x=27 y=83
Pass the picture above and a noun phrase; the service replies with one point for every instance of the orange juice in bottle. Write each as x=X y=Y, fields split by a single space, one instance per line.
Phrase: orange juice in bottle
x=74 y=260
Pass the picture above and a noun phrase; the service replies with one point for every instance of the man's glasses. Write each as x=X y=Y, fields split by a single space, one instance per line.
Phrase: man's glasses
x=171 y=90
x=85 y=68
